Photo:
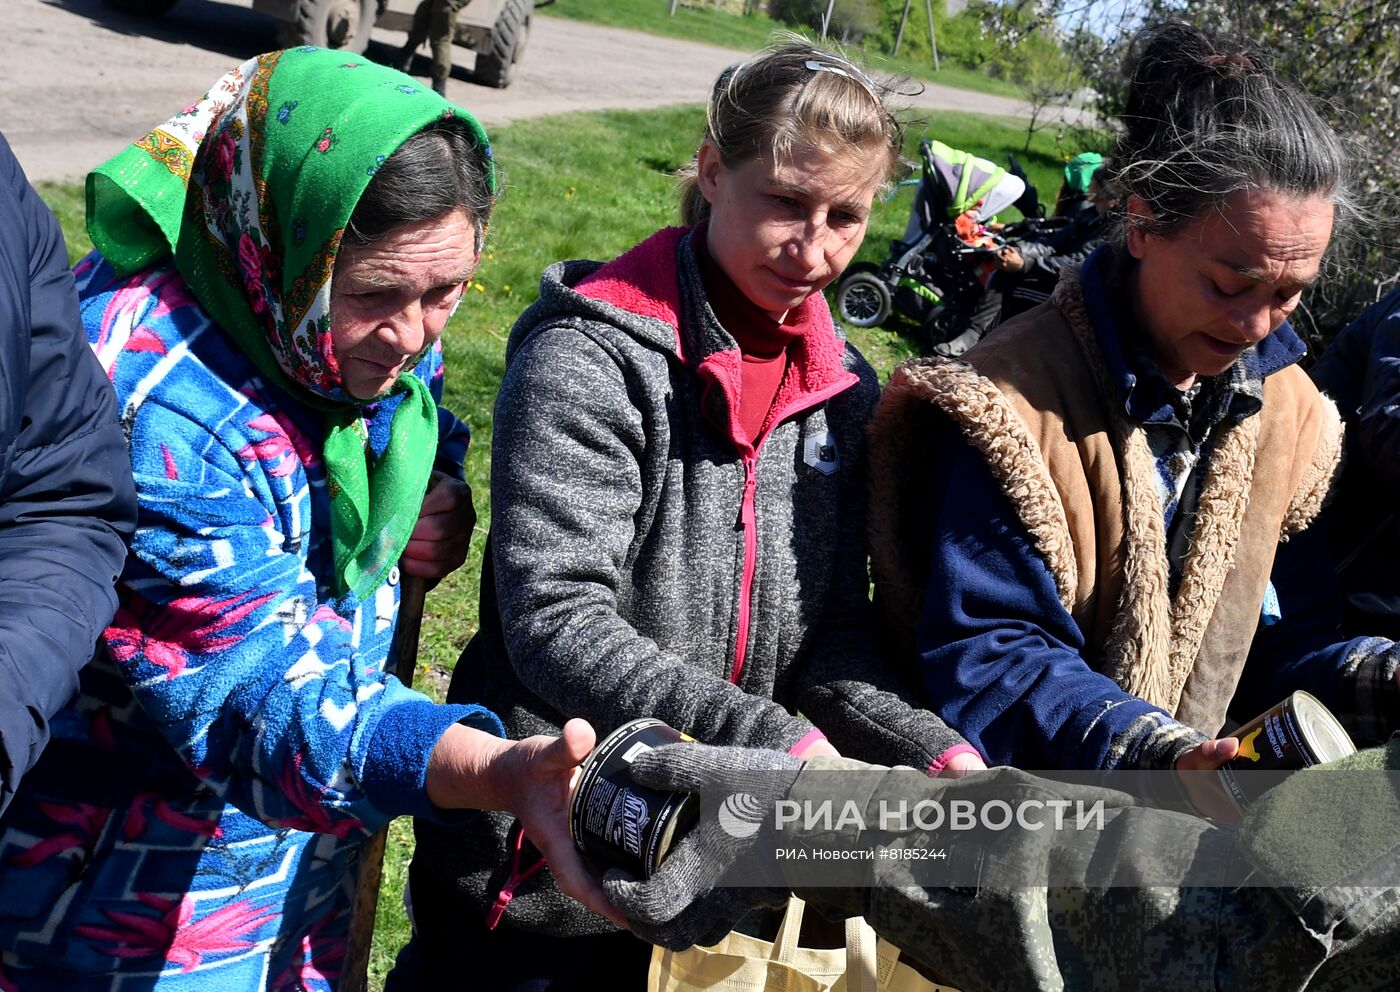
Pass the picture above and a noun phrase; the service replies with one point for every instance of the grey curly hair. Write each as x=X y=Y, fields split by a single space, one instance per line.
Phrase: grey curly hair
x=1207 y=117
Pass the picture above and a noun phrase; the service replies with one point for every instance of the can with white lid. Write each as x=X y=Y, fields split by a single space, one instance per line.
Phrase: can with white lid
x=615 y=821
x=1296 y=733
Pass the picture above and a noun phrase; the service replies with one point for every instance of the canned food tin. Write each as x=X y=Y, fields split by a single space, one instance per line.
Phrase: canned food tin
x=1296 y=733
x=616 y=822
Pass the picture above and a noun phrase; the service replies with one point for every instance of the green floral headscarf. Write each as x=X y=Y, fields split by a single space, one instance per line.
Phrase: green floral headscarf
x=250 y=190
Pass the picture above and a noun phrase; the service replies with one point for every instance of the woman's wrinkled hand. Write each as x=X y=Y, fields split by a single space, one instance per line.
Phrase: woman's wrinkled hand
x=533 y=779
x=543 y=789
x=440 y=539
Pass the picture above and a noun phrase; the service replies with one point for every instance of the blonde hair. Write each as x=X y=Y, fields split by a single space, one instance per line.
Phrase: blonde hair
x=790 y=96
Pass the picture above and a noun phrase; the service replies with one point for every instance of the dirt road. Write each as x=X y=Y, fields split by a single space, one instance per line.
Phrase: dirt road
x=78 y=80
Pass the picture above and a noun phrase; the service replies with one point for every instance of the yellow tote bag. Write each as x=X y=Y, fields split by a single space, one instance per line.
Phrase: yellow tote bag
x=741 y=963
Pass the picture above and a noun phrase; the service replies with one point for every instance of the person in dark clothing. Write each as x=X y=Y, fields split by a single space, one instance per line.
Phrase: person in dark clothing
x=1360 y=370
x=67 y=504
x=1119 y=487
x=1079 y=174
x=1027 y=271
x=1030 y=269
x=433 y=21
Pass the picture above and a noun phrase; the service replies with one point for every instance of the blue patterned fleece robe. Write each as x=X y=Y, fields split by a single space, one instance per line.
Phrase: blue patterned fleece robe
x=191 y=824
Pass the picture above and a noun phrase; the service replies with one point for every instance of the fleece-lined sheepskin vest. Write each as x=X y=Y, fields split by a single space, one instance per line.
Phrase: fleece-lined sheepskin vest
x=1034 y=399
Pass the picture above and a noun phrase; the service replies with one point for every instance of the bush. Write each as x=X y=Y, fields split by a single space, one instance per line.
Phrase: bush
x=963 y=39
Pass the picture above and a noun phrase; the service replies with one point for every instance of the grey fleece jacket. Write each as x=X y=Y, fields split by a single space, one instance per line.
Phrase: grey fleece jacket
x=614 y=579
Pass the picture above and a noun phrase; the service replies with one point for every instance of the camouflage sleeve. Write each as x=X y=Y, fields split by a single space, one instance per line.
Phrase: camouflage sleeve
x=1116 y=926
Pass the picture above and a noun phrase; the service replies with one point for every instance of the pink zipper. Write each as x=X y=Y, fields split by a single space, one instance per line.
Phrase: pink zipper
x=748 y=521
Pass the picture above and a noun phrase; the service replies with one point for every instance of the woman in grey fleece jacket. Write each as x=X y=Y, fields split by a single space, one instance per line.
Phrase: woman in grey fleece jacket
x=678 y=503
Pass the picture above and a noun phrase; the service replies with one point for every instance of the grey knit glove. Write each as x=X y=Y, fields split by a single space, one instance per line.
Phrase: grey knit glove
x=681 y=905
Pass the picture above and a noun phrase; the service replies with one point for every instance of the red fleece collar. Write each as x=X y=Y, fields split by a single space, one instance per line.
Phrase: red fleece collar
x=646 y=281
x=643 y=280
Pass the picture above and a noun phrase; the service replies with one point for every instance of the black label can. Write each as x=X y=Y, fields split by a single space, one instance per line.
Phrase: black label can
x=1296 y=733
x=616 y=822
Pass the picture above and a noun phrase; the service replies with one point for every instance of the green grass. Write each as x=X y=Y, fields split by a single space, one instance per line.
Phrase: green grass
x=750 y=32
x=582 y=186
x=66 y=202
x=692 y=22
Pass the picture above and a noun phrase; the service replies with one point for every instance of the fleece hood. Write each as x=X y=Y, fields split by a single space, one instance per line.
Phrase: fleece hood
x=643 y=294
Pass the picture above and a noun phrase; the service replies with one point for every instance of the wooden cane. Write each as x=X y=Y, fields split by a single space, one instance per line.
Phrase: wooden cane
x=364 y=902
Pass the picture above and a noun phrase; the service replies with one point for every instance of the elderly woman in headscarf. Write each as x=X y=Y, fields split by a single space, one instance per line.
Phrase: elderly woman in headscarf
x=274 y=268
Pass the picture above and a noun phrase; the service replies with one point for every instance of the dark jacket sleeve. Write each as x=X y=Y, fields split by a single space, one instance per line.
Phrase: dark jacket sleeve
x=1052 y=263
x=1361 y=372
x=67 y=503
x=1304 y=648
x=1339 y=371
x=1066 y=247
x=1002 y=660
x=1356 y=678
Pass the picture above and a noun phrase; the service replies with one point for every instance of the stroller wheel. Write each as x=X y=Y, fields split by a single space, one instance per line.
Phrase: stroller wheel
x=862 y=297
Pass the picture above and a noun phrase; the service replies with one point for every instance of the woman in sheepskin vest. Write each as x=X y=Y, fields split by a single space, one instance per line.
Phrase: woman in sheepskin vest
x=1076 y=531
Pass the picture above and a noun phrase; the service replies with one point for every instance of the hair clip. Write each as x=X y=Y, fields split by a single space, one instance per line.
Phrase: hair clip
x=816 y=66
x=852 y=73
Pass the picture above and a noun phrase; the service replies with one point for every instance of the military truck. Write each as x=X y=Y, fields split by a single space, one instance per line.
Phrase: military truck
x=496 y=30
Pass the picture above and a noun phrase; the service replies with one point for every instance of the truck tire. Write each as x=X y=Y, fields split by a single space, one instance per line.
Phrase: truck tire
x=142 y=8
x=495 y=66
x=344 y=24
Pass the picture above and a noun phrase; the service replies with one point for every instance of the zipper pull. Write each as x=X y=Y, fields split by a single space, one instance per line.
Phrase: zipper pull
x=498 y=908
x=512 y=882
x=746 y=498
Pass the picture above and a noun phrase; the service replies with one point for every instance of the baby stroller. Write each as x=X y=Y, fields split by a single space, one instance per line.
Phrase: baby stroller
x=934 y=275
x=1074 y=223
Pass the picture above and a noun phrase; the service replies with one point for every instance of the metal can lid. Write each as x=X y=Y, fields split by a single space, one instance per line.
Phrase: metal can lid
x=1325 y=733
x=681 y=812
